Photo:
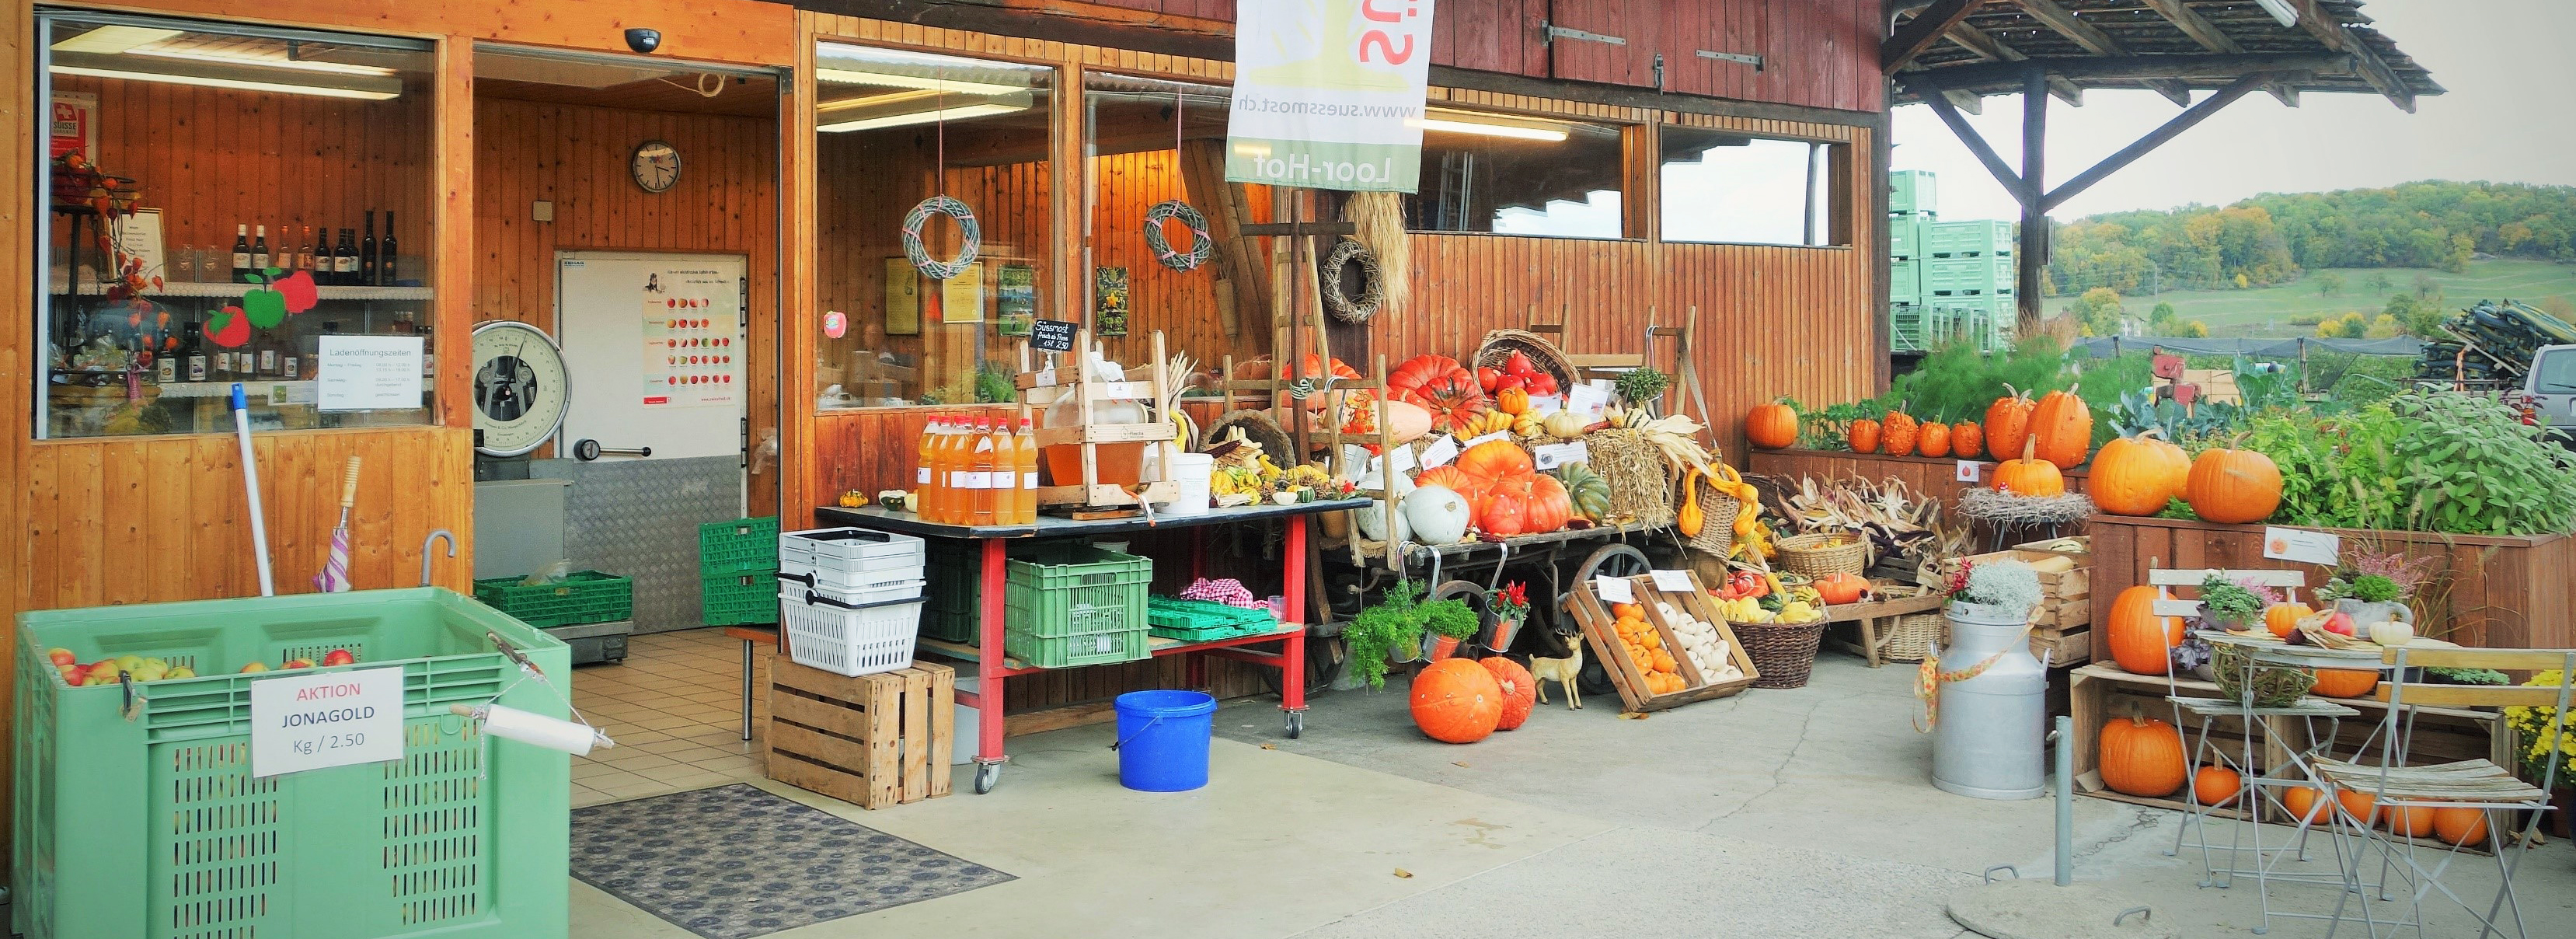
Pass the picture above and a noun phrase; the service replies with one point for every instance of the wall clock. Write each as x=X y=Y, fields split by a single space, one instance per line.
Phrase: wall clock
x=519 y=388
x=655 y=166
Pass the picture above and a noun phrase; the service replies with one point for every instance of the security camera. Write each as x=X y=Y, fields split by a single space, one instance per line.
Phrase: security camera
x=643 y=41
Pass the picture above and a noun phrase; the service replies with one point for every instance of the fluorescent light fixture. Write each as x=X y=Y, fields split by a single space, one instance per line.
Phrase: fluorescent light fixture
x=236 y=77
x=2281 y=11
x=922 y=117
x=1461 y=122
x=323 y=91
x=842 y=76
x=305 y=65
x=111 y=40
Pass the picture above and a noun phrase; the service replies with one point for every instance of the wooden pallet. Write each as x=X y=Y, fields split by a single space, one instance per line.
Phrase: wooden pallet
x=872 y=741
x=1627 y=676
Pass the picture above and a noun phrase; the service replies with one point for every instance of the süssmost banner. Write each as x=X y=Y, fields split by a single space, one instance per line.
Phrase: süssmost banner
x=1328 y=94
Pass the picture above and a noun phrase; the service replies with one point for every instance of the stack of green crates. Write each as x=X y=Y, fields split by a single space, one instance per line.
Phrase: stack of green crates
x=738 y=571
x=1205 y=620
x=1911 y=200
x=581 y=597
x=1066 y=604
x=1972 y=238
x=1984 y=275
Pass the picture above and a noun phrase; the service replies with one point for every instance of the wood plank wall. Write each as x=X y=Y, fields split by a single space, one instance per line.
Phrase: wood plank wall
x=726 y=202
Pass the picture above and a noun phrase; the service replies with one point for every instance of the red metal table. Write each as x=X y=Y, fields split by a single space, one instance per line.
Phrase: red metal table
x=993 y=667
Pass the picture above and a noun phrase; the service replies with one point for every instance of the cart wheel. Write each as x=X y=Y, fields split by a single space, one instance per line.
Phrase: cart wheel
x=1296 y=724
x=1613 y=560
x=1473 y=596
x=986 y=774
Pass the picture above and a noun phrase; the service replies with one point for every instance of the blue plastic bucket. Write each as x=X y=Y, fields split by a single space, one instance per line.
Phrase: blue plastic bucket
x=1163 y=740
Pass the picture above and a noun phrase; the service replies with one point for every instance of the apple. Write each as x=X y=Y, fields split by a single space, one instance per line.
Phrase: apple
x=254 y=667
x=228 y=328
x=127 y=663
x=265 y=307
x=298 y=663
x=62 y=656
x=339 y=657
x=106 y=668
x=181 y=671
x=2339 y=623
x=72 y=674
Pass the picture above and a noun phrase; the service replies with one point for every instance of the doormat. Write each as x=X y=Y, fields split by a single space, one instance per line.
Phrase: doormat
x=733 y=862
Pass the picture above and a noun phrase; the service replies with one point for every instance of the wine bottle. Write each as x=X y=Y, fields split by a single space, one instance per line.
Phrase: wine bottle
x=241 y=254
x=304 y=258
x=367 y=253
x=344 y=259
x=386 y=272
x=259 y=252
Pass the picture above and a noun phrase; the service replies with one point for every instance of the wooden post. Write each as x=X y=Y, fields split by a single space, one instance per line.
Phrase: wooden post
x=2034 y=208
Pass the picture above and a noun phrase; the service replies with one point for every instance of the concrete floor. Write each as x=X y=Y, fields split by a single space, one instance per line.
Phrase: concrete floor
x=1775 y=813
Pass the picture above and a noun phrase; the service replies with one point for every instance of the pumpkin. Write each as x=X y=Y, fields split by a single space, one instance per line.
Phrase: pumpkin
x=2305 y=805
x=2007 y=422
x=1441 y=386
x=2215 y=785
x=1495 y=460
x=2413 y=821
x=1967 y=440
x=1690 y=518
x=1520 y=691
x=2063 y=426
x=1897 y=433
x=2141 y=641
x=1501 y=514
x=1373 y=520
x=1863 y=436
x=2137 y=475
x=2461 y=826
x=1839 y=588
x=1457 y=701
x=1585 y=490
x=1406 y=421
x=2359 y=805
x=2142 y=756
x=1772 y=426
x=1454 y=479
x=2345 y=682
x=1933 y=440
x=1437 y=514
x=1512 y=401
x=1549 y=506
x=2233 y=487
x=2030 y=476
x=1564 y=425
x=2282 y=618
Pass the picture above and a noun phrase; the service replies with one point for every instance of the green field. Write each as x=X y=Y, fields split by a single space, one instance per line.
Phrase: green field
x=2266 y=313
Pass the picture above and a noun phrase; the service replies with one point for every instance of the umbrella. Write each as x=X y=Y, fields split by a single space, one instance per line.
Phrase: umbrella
x=335 y=572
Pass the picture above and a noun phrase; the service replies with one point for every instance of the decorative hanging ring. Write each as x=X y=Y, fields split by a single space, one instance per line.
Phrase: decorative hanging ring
x=970 y=237
x=1200 y=244
x=1372 y=283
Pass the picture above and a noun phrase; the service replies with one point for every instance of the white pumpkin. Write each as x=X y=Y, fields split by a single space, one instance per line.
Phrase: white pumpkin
x=1438 y=515
x=1373 y=519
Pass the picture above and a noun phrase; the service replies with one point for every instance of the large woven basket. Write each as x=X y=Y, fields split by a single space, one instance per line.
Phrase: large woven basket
x=1501 y=343
x=1717 y=531
x=1913 y=635
x=1814 y=555
x=1783 y=654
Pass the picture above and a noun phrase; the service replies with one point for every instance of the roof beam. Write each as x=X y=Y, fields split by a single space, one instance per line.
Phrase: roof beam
x=2334 y=35
x=2073 y=27
x=2007 y=75
x=2210 y=37
x=1967 y=134
x=1921 y=32
x=1992 y=50
x=2157 y=138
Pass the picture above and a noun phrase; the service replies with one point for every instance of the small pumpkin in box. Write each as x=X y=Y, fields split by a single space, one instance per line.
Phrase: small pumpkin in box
x=1933 y=440
x=1772 y=426
x=1863 y=436
x=2141 y=641
x=2345 y=682
x=1897 y=432
x=2029 y=476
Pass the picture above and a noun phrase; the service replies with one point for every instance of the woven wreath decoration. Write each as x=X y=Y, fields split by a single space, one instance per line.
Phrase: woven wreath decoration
x=970 y=237
x=1200 y=244
x=1372 y=283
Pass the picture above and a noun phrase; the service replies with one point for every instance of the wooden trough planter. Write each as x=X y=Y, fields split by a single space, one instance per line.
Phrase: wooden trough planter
x=2505 y=592
x=1935 y=477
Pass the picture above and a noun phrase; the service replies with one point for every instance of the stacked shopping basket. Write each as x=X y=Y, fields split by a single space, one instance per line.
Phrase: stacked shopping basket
x=850 y=599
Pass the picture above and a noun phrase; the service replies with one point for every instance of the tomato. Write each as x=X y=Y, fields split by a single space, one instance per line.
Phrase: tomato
x=1489 y=379
x=1511 y=381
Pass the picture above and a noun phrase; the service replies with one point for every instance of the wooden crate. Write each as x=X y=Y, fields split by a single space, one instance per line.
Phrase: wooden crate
x=2053 y=585
x=873 y=741
x=2061 y=648
x=1627 y=676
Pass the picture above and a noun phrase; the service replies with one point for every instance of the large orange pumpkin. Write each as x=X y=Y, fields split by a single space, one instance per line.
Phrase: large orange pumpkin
x=2413 y=821
x=1933 y=440
x=2215 y=785
x=1897 y=433
x=2137 y=475
x=1457 y=701
x=2007 y=422
x=2304 y=803
x=2360 y=805
x=1520 y=692
x=2345 y=682
x=1967 y=440
x=2142 y=756
x=2233 y=487
x=1548 y=507
x=1771 y=426
x=2281 y=618
x=1863 y=436
x=2141 y=641
x=1456 y=480
x=2030 y=476
x=2063 y=425
x=1840 y=588
x=2461 y=826
x=1495 y=460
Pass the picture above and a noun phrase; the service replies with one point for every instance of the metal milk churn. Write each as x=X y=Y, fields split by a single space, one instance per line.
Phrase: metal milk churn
x=1988 y=742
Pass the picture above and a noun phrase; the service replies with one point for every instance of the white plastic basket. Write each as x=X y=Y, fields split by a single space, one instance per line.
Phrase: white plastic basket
x=850 y=639
x=850 y=549
x=791 y=588
x=810 y=575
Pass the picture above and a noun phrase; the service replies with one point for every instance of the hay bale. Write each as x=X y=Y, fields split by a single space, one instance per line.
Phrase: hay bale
x=1640 y=484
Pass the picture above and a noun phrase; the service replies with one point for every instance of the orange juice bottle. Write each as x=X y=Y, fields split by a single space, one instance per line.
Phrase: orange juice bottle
x=952 y=469
x=1025 y=502
x=979 y=474
x=924 y=482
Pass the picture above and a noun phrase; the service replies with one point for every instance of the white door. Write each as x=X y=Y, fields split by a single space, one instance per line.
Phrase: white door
x=655 y=345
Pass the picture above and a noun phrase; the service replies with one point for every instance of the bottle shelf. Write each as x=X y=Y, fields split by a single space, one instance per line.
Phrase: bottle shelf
x=227 y=289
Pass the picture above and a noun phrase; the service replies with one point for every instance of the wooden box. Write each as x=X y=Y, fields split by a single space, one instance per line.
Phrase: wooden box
x=873 y=741
x=2060 y=628
x=1628 y=676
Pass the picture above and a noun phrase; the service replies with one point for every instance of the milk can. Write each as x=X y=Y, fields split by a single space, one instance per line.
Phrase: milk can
x=1987 y=742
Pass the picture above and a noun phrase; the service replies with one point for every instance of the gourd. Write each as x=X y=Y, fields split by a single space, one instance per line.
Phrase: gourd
x=1519 y=690
x=2007 y=422
x=2283 y=618
x=1407 y=422
x=1690 y=519
x=2030 y=476
x=1501 y=514
x=2307 y=803
x=2358 y=804
x=2345 y=682
x=2233 y=487
x=1549 y=506
x=1495 y=460
x=1897 y=432
x=1967 y=440
x=1933 y=440
x=2460 y=826
x=1457 y=701
x=1585 y=490
x=1437 y=514
x=2141 y=641
x=1771 y=426
x=1512 y=401
x=1440 y=385
x=2410 y=821
x=2142 y=756
x=2063 y=426
x=1838 y=588
x=1373 y=519
x=2137 y=475
x=1863 y=436
x=1563 y=425
x=2215 y=785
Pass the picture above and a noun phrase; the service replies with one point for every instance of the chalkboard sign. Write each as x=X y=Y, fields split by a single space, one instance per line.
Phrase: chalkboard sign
x=1052 y=335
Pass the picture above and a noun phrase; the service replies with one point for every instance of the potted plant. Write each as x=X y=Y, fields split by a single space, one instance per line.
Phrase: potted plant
x=1386 y=631
x=2377 y=604
x=1993 y=594
x=2538 y=730
x=1448 y=623
x=1511 y=607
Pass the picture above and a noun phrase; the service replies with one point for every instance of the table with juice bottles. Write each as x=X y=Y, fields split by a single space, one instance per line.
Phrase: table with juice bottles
x=993 y=667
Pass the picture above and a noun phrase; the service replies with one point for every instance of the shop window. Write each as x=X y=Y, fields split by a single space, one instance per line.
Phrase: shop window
x=893 y=129
x=1737 y=189
x=1517 y=176
x=227 y=207
x=1152 y=143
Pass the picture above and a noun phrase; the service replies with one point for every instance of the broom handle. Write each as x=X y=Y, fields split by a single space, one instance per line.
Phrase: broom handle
x=349 y=490
x=250 y=485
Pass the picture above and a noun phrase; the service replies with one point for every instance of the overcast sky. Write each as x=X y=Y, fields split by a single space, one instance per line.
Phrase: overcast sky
x=2504 y=119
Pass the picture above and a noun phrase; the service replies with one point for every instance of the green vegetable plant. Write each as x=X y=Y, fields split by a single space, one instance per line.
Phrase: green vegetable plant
x=1451 y=618
x=1643 y=386
x=2226 y=601
x=2470 y=465
x=1388 y=625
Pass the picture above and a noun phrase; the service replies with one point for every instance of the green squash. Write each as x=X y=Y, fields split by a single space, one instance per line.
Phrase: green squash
x=1588 y=492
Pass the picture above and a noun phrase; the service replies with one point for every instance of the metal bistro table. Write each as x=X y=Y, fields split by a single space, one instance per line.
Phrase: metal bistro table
x=992 y=666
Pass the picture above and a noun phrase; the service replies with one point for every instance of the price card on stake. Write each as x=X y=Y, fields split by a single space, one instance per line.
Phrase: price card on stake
x=1588 y=400
x=2305 y=547
x=1614 y=589
x=1052 y=335
x=1542 y=406
x=302 y=722
x=1672 y=581
x=1440 y=452
x=1555 y=455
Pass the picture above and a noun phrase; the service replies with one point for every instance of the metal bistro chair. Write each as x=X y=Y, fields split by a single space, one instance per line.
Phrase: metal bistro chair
x=2491 y=790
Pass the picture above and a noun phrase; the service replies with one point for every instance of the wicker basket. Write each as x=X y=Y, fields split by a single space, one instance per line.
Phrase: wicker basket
x=1809 y=555
x=1501 y=343
x=1258 y=428
x=1717 y=531
x=1783 y=654
x=1913 y=635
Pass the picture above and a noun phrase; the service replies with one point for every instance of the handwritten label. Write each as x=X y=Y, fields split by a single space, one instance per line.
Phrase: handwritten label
x=2305 y=547
x=316 y=721
x=1440 y=452
x=1558 y=454
x=1488 y=438
x=1971 y=471
x=1614 y=589
x=1052 y=335
x=1546 y=405
x=1673 y=581
x=1588 y=400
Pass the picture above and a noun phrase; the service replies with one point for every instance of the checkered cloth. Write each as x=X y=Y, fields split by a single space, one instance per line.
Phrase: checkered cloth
x=1228 y=591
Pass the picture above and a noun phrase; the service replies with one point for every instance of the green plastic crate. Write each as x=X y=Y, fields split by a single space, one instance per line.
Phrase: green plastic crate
x=1970 y=238
x=1056 y=589
x=1204 y=621
x=154 y=826
x=1912 y=191
x=739 y=599
x=1905 y=328
x=748 y=544
x=1905 y=233
x=1983 y=275
x=583 y=597
x=1108 y=647
x=1905 y=282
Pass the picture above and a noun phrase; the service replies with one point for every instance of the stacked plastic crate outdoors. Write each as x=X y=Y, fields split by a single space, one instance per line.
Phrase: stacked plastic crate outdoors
x=1064 y=603
x=850 y=598
x=1909 y=215
x=1969 y=278
x=737 y=571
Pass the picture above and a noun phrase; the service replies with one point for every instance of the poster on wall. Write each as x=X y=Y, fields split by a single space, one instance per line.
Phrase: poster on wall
x=903 y=297
x=692 y=339
x=1016 y=303
x=961 y=298
x=74 y=124
x=1328 y=94
x=1109 y=302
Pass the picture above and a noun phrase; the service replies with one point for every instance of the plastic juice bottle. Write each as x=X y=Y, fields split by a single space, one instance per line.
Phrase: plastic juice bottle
x=1025 y=502
x=952 y=472
x=922 y=478
x=979 y=474
x=1005 y=478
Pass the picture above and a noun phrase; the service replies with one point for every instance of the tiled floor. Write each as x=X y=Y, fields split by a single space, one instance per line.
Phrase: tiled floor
x=675 y=709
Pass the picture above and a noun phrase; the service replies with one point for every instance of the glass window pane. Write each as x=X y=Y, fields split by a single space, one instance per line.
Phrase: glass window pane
x=893 y=129
x=194 y=166
x=1739 y=189
x=1152 y=141
x=1517 y=176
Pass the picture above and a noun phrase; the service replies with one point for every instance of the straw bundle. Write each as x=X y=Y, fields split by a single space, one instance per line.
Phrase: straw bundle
x=1640 y=486
x=1379 y=217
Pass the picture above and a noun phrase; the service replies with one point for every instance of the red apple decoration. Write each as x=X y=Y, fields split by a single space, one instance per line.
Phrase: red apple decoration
x=229 y=327
x=2339 y=623
x=297 y=289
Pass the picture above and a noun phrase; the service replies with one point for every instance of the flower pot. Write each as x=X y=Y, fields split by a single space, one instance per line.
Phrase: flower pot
x=1443 y=647
x=1504 y=631
x=2371 y=621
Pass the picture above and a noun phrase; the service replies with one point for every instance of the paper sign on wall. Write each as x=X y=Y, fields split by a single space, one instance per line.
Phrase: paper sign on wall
x=366 y=373
x=692 y=340
x=302 y=722
x=2305 y=547
x=1614 y=589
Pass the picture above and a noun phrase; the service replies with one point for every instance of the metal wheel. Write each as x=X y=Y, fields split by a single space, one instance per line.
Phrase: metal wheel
x=986 y=774
x=1473 y=595
x=1296 y=724
x=1612 y=560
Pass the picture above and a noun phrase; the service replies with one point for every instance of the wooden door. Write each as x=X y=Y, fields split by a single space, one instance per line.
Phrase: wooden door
x=1611 y=41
